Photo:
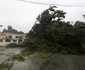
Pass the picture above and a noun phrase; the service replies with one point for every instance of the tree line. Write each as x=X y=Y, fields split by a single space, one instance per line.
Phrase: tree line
x=12 y=30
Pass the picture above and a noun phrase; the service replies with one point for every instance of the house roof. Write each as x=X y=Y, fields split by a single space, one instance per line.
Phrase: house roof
x=7 y=33
x=2 y=34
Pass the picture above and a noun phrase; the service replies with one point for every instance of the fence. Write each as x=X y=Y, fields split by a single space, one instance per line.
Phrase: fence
x=5 y=42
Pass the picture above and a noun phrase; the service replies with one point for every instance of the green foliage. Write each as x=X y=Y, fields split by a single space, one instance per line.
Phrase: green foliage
x=24 y=53
x=51 y=34
x=5 y=66
x=1 y=40
x=13 y=45
x=14 y=40
x=17 y=57
x=8 y=40
x=44 y=56
x=20 y=40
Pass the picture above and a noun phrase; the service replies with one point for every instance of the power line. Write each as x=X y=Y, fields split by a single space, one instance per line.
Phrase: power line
x=36 y=2
x=50 y=4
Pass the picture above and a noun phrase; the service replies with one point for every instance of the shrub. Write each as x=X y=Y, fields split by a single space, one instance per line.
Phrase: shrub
x=8 y=40
x=44 y=56
x=13 y=45
x=20 y=40
x=1 y=40
x=24 y=53
x=5 y=66
x=17 y=57
x=14 y=40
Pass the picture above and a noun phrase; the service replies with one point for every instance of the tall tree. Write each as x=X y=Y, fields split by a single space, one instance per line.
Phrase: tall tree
x=53 y=34
x=47 y=20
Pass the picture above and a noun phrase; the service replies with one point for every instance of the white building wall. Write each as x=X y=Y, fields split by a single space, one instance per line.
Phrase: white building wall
x=4 y=43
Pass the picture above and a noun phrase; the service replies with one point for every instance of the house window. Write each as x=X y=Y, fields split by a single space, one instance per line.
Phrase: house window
x=17 y=36
x=10 y=36
x=14 y=40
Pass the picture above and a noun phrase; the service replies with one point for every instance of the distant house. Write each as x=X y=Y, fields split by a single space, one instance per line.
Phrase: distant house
x=7 y=38
x=2 y=36
x=15 y=36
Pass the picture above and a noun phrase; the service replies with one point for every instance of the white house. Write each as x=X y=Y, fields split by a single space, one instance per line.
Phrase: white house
x=15 y=36
x=7 y=38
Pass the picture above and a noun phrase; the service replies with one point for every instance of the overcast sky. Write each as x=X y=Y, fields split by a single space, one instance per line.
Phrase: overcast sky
x=21 y=15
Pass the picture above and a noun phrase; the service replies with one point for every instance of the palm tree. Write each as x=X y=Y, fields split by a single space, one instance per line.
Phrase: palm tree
x=1 y=25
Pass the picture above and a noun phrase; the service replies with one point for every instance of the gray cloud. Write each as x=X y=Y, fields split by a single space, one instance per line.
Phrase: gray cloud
x=22 y=15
